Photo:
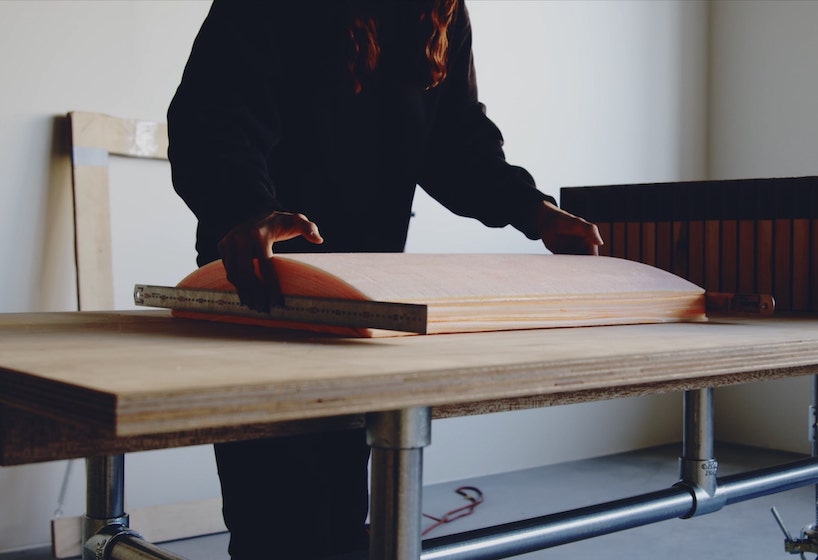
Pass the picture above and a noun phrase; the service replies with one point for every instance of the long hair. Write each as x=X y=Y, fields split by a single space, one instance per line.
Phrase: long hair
x=433 y=24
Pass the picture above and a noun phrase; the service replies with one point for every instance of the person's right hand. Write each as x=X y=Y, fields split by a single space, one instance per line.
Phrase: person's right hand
x=253 y=241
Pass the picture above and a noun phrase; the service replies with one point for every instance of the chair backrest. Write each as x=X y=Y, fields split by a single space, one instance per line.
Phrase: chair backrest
x=94 y=137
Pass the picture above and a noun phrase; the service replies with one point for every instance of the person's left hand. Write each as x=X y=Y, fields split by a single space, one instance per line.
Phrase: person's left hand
x=563 y=233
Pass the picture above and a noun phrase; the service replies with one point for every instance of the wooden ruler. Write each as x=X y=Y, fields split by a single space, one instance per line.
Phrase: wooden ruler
x=405 y=317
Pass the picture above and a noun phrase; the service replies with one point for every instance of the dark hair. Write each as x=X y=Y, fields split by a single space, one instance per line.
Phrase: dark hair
x=434 y=20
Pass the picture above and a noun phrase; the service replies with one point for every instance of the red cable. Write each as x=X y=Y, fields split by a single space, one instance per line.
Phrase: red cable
x=475 y=498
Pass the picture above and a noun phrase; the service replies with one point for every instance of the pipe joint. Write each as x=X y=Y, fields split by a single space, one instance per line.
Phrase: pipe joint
x=700 y=472
x=706 y=497
x=399 y=429
x=99 y=544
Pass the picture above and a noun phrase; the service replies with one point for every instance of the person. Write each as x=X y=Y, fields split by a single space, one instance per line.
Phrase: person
x=292 y=116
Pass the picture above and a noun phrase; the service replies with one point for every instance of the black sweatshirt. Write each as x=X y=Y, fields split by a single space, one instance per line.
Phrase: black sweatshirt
x=266 y=118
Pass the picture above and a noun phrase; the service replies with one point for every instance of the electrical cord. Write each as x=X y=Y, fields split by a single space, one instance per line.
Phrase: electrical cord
x=471 y=493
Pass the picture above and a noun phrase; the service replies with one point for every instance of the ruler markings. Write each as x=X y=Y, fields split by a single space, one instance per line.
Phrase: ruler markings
x=299 y=309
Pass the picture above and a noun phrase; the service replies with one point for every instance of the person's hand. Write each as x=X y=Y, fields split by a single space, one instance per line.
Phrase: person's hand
x=564 y=233
x=253 y=241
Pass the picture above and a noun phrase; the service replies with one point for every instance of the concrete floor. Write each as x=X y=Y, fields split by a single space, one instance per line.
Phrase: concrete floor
x=746 y=530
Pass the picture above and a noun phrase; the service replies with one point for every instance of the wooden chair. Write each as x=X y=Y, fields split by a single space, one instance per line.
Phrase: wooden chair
x=94 y=137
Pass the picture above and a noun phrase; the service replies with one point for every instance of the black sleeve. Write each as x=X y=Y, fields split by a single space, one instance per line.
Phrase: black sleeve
x=223 y=122
x=465 y=167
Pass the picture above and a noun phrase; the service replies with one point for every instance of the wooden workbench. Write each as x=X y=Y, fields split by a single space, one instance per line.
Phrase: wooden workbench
x=106 y=383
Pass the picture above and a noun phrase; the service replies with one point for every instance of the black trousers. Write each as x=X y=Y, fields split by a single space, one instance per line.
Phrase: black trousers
x=298 y=497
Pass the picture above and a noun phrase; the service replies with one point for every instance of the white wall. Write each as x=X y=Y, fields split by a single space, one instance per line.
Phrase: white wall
x=585 y=92
x=125 y=59
x=764 y=123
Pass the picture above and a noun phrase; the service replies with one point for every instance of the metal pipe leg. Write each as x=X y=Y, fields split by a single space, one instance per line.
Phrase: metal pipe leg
x=104 y=504
x=397 y=439
x=810 y=532
x=106 y=487
x=698 y=467
x=105 y=532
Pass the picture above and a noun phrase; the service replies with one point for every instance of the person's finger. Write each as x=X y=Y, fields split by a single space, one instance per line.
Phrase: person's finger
x=288 y=226
x=571 y=245
x=596 y=237
x=309 y=230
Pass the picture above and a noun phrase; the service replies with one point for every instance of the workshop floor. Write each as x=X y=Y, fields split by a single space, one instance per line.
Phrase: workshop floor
x=746 y=530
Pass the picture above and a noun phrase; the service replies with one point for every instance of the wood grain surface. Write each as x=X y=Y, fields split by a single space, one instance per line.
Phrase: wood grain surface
x=480 y=292
x=140 y=375
x=94 y=137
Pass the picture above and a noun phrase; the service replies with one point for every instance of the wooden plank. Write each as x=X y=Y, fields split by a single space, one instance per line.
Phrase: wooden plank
x=93 y=137
x=28 y=437
x=619 y=239
x=783 y=207
x=633 y=234
x=649 y=219
x=813 y=259
x=664 y=245
x=801 y=268
x=472 y=293
x=21 y=444
x=92 y=238
x=712 y=201
x=695 y=267
x=729 y=256
x=681 y=251
x=800 y=264
x=119 y=136
x=160 y=375
x=156 y=524
x=712 y=257
x=648 y=250
x=634 y=217
x=748 y=201
x=747 y=251
x=764 y=256
x=782 y=263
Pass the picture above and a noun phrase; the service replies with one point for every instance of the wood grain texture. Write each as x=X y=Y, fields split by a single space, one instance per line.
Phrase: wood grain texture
x=119 y=136
x=144 y=374
x=92 y=233
x=759 y=233
x=93 y=137
x=477 y=293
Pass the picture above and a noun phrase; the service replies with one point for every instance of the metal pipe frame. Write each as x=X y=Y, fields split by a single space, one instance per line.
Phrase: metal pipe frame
x=813 y=434
x=105 y=531
x=397 y=439
x=698 y=467
x=698 y=492
x=105 y=514
x=529 y=535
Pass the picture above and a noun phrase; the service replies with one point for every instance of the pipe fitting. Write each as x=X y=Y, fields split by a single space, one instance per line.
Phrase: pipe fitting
x=98 y=545
x=704 y=501
x=700 y=472
x=409 y=428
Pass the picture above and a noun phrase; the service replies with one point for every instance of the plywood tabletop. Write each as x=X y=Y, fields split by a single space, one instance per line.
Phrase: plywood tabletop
x=135 y=373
